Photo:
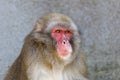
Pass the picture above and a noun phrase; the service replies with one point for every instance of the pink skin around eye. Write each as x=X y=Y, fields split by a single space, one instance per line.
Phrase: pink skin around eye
x=63 y=45
x=56 y=35
x=61 y=34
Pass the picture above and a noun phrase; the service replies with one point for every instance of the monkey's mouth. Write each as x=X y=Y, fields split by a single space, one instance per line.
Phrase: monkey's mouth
x=64 y=53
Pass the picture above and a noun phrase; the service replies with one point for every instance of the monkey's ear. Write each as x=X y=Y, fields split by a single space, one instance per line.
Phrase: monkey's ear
x=38 y=26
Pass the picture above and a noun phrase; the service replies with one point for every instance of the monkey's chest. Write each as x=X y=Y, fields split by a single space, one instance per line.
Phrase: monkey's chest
x=51 y=76
x=40 y=73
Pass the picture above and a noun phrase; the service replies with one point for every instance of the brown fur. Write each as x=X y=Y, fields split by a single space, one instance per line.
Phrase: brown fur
x=39 y=48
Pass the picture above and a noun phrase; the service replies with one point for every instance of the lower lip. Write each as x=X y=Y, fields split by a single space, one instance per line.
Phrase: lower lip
x=64 y=54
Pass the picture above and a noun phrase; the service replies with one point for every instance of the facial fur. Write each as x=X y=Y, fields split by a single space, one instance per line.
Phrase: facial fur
x=53 y=22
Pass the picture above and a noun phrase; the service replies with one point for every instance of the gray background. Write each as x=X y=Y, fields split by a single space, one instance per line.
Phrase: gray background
x=98 y=20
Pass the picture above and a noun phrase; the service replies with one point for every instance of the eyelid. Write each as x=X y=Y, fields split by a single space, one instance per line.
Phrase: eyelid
x=67 y=31
x=58 y=31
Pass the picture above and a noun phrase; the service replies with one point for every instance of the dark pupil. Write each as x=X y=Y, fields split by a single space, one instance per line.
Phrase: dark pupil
x=57 y=31
x=67 y=31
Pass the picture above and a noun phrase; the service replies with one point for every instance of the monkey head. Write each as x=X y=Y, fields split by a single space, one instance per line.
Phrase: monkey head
x=63 y=31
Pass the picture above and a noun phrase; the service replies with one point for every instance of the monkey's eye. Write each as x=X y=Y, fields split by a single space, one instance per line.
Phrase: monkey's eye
x=57 y=31
x=67 y=32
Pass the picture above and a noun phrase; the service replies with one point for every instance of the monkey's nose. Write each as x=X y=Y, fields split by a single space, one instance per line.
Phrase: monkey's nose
x=65 y=41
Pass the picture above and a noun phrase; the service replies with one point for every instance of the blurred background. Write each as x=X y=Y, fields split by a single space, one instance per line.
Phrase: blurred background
x=98 y=21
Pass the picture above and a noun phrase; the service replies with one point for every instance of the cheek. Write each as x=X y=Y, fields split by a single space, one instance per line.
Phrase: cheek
x=68 y=36
x=56 y=36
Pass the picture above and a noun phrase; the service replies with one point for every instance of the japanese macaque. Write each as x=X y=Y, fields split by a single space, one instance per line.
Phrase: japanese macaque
x=51 y=51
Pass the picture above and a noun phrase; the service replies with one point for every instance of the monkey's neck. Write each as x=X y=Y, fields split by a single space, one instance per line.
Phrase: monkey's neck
x=54 y=62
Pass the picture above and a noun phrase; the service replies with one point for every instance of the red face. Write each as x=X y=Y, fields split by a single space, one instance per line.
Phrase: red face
x=62 y=37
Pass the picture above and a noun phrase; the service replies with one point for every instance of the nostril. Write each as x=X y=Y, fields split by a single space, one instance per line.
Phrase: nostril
x=64 y=42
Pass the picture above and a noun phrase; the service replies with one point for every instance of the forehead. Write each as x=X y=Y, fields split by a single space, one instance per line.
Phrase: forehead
x=56 y=24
